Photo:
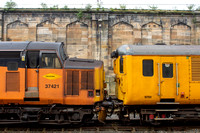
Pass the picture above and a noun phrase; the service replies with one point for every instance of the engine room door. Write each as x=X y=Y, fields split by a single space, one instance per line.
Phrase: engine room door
x=167 y=77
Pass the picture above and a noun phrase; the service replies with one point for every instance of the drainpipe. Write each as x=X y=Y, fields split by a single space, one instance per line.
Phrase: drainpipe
x=2 y=26
x=100 y=25
x=97 y=38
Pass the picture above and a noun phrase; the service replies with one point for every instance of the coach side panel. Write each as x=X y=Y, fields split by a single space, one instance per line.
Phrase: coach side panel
x=147 y=80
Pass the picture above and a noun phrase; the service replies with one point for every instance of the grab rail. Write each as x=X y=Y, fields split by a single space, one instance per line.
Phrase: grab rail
x=159 y=79
x=177 y=84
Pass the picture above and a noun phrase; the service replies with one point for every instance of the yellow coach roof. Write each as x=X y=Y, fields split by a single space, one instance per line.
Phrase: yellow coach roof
x=157 y=50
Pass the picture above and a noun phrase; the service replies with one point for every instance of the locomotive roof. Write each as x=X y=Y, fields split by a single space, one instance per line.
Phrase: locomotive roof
x=77 y=63
x=158 y=50
x=21 y=46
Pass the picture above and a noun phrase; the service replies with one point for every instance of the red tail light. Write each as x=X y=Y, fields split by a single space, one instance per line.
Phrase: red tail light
x=163 y=116
x=151 y=117
x=105 y=92
x=182 y=94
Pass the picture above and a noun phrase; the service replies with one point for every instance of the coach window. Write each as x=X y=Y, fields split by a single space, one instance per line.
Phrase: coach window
x=50 y=60
x=167 y=70
x=147 y=67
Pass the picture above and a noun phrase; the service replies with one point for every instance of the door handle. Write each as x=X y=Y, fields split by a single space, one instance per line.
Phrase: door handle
x=162 y=81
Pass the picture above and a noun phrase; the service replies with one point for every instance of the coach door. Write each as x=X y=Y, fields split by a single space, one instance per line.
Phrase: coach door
x=167 y=78
x=32 y=73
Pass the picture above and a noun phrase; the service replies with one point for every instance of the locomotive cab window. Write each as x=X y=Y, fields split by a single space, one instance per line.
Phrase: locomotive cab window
x=32 y=59
x=167 y=70
x=12 y=66
x=50 y=60
x=11 y=59
x=147 y=67
x=121 y=67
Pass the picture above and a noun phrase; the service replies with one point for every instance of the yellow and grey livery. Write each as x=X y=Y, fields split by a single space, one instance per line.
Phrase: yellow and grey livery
x=150 y=76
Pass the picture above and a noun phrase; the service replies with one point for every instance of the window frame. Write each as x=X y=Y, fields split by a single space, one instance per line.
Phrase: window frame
x=49 y=52
x=171 y=63
x=152 y=67
x=121 y=64
x=10 y=54
x=12 y=62
x=27 y=59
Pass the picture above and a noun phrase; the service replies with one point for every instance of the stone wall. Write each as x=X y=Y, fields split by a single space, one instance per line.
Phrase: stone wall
x=97 y=34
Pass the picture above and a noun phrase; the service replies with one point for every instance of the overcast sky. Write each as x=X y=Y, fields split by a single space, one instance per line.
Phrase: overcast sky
x=132 y=4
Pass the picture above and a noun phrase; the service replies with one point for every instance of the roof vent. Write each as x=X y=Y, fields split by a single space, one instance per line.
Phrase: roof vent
x=81 y=60
x=160 y=44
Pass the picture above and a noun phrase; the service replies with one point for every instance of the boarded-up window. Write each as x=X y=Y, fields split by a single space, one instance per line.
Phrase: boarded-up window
x=12 y=81
x=72 y=82
x=87 y=80
x=195 y=69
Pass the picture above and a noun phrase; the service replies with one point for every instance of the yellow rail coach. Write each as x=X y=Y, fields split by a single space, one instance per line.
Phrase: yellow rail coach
x=159 y=82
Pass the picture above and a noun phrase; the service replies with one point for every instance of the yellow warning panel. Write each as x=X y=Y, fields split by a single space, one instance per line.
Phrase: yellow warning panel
x=51 y=76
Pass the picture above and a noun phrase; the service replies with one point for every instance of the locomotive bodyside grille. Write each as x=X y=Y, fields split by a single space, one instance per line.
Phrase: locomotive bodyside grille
x=84 y=80
x=75 y=83
x=90 y=79
x=87 y=79
x=72 y=82
x=12 y=81
x=195 y=69
x=79 y=79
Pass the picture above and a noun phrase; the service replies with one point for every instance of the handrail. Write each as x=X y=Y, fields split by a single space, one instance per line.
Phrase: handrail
x=159 y=79
x=177 y=84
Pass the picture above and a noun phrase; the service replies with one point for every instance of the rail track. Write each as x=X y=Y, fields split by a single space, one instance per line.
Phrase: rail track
x=111 y=126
